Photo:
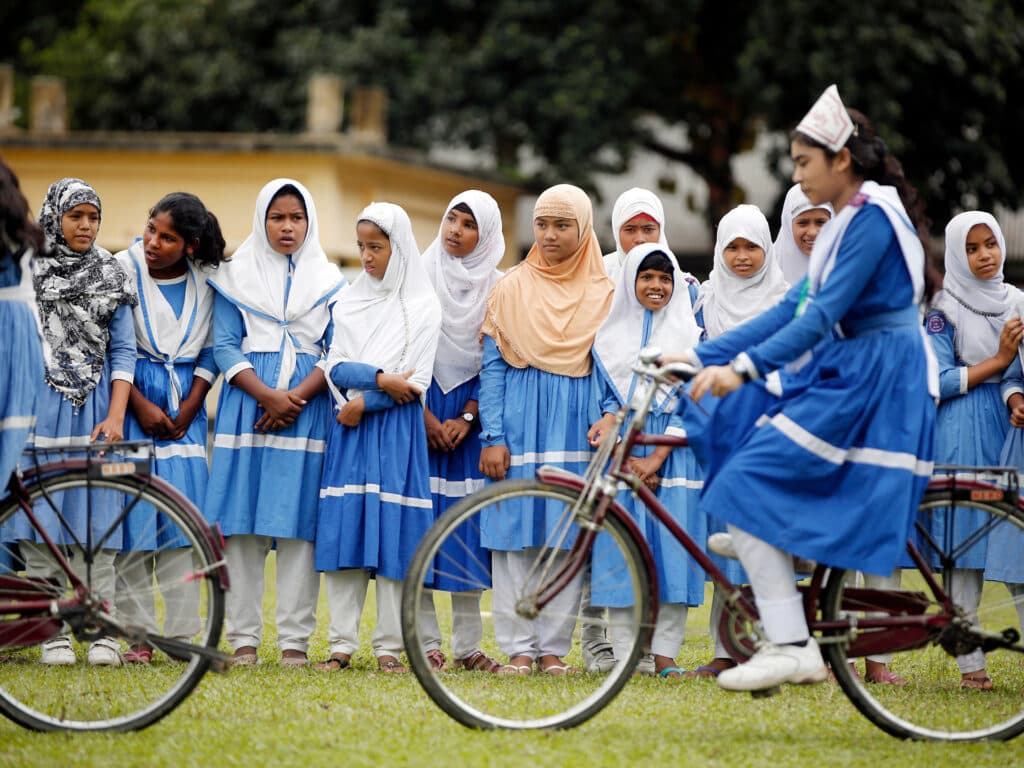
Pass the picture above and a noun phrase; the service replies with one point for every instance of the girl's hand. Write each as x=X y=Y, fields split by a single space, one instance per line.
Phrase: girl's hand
x=1009 y=340
x=495 y=461
x=601 y=429
x=186 y=415
x=151 y=418
x=281 y=409
x=1015 y=403
x=437 y=436
x=719 y=380
x=398 y=387
x=646 y=469
x=456 y=430
x=351 y=413
x=111 y=429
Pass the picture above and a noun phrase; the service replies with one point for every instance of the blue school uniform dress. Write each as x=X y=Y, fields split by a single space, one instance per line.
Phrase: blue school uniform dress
x=834 y=468
x=375 y=501
x=21 y=360
x=173 y=326
x=543 y=418
x=1004 y=559
x=970 y=427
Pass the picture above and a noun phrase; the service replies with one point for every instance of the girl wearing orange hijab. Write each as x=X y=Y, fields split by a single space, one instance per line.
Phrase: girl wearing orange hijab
x=537 y=402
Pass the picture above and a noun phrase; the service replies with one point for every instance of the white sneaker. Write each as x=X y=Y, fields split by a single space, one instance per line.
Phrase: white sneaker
x=105 y=652
x=721 y=544
x=598 y=655
x=58 y=652
x=645 y=666
x=776 y=664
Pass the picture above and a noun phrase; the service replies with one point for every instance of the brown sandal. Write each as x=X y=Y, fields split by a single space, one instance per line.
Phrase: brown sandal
x=336 y=663
x=477 y=661
x=389 y=665
x=976 y=681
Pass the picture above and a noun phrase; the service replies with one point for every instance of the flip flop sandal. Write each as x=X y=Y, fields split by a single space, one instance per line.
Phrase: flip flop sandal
x=514 y=669
x=885 y=678
x=389 y=665
x=477 y=661
x=975 y=682
x=667 y=671
x=334 y=664
x=558 y=670
x=437 y=661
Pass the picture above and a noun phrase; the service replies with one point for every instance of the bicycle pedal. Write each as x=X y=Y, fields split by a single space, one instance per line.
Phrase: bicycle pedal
x=766 y=693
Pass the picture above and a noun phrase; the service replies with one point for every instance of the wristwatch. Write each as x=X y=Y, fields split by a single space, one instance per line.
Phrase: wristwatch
x=468 y=417
x=740 y=369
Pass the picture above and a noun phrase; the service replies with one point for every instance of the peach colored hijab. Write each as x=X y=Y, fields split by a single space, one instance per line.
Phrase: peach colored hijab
x=545 y=315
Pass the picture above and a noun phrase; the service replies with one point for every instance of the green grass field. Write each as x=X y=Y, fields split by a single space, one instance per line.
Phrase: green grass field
x=270 y=715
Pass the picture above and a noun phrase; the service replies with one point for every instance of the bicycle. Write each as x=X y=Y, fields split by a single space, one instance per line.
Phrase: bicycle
x=169 y=612
x=918 y=623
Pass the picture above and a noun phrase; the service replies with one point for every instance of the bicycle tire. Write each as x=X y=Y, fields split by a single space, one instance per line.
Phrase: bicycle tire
x=81 y=696
x=932 y=706
x=537 y=701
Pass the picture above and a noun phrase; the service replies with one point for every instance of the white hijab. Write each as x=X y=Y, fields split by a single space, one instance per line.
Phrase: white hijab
x=632 y=203
x=462 y=285
x=977 y=309
x=792 y=260
x=160 y=334
x=630 y=326
x=392 y=323
x=728 y=300
x=256 y=280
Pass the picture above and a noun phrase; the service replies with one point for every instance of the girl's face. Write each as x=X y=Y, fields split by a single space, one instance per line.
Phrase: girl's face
x=743 y=257
x=374 y=249
x=821 y=178
x=654 y=289
x=165 y=249
x=638 y=230
x=806 y=227
x=286 y=224
x=80 y=225
x=983 y=253
x=557 y=238
x=460 y=233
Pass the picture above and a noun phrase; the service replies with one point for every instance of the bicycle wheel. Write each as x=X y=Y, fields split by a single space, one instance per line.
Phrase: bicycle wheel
x=169 y=607
x=932 y=705
x=451 y=558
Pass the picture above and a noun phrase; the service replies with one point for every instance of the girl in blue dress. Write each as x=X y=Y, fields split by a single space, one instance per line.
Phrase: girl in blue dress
x=375 y=500
x=745 y=280
x=646 y=311
x=537 y=403
x=271 y=329
x=976 y=331
x=462 y=265
x=85 y=300
x=839 y=460
x=181 y=245
x=21 y=356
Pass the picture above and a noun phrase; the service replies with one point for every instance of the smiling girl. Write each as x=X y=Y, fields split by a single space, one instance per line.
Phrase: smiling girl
x=180 y=246
x=638 y=217
x=799 y=228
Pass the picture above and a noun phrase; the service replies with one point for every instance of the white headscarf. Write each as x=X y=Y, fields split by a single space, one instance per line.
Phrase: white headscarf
x=630 y=326
x=632 y=203
x=392 y=323
x=977 y=309
x=256 y=278
x=163 y=336
x=727 y=299
x=792 y=261
x=462 y=285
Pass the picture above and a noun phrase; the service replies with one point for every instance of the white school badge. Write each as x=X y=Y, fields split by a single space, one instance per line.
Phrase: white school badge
x=828 y=122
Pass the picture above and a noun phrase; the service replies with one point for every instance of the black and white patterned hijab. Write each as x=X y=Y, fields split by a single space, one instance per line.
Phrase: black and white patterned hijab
x=77 y=293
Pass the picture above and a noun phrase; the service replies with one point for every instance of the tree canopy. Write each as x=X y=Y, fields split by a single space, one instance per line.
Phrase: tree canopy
x=572 y=82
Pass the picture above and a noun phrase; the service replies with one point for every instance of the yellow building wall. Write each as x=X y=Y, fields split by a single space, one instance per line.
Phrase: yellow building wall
x=131 y=179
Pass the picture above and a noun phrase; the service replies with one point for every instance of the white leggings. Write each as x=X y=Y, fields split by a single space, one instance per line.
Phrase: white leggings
x=467 y=626
x=346 y=596
x=773 y=580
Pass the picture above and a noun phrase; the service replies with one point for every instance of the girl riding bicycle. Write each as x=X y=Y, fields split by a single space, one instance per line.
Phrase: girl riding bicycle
x=839 y=460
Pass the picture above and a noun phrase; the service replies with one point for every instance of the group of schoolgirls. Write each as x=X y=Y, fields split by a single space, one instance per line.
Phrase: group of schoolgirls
x=353 y=414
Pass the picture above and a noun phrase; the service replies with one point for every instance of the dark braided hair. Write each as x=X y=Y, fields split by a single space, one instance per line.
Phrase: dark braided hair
x=196 y=225
x=872 y=161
